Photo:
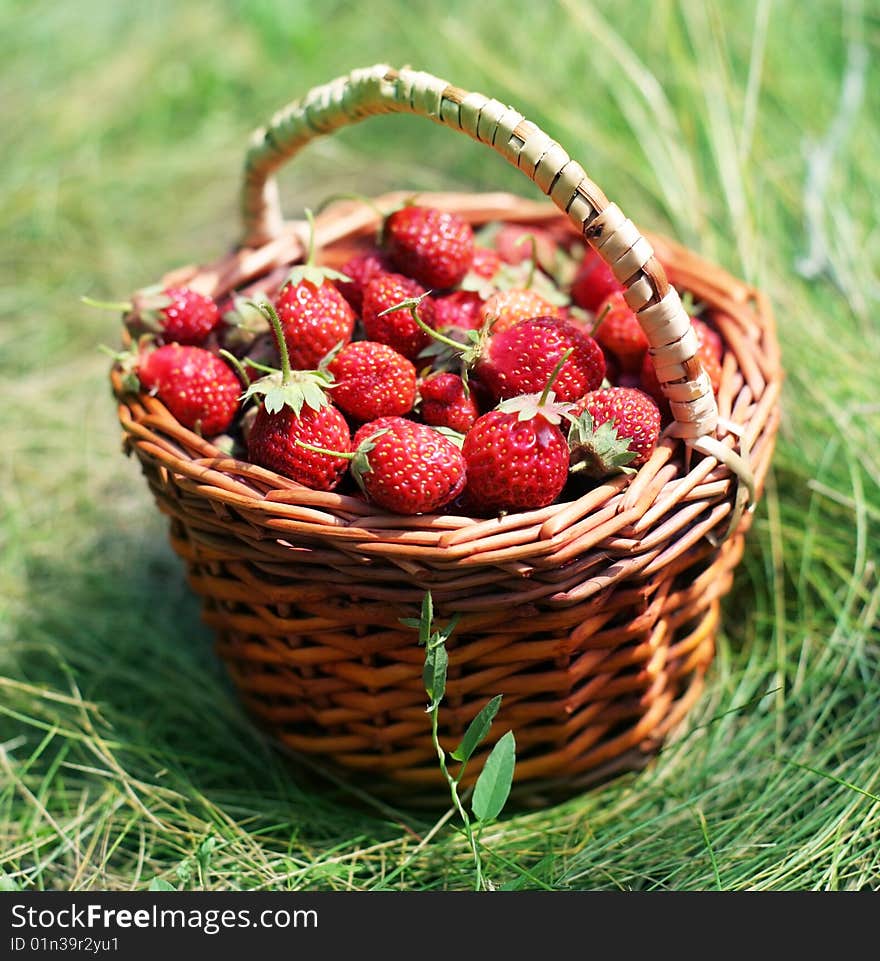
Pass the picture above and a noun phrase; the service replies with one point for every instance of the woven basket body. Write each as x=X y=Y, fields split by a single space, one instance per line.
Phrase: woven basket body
x=594 y=617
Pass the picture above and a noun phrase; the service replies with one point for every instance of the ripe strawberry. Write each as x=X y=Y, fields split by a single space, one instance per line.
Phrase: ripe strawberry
x=446 y=402
x=461 y=309
x=274 y=442
x=361 y=268
x=507 y=307
x=486 y=262
x=520 y=359
x=515 y=243
x=407 y=467
x=295 y=411
x=397 y=329
x=175 y=314
x=516 y=455
x=315 y=318
x=196 y=386
x=593 y=282
x=620 y=334
x=709 y=338
x=372 y=380
x=615 y=429
x=432 y=246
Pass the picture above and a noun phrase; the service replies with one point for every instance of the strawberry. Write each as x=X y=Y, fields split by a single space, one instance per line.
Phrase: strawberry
x=517 y=243
x=486 y=262
x=397 y=329
x=507 y=307
x=461 y=309
x=446 y=402
x=275 y=440
x=709 y=338
x=593 y=282
x=315 y=317
x=432 y=246
x=295 y=412
x=196 y=386
x=615 y=429
x=519 y=360
x=620 y=334
x=406 y=467
x=516 y=455
x=361 y=269
x=372 y=380
x=174 y=314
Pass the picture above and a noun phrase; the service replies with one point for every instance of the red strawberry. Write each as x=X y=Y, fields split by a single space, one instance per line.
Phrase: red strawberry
x=176 y=314
x=460 y=309
x=295 y=411
x=445 y=402
x=432 y=246
x=620 y=334
x=407 y=467
x=196 y=386
x=486 y=262
x=709 y=338
x=507 y=307
x=315 y=317
x=519 y=360
x=615 y=429
x=372 y=380
x=516 y=455
x=514 y=244
x=361 y=268
x=274 y=442
x=593 y=282
x=397 y=329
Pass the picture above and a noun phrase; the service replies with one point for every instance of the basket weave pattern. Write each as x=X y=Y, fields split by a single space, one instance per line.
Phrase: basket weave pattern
x=595 y=618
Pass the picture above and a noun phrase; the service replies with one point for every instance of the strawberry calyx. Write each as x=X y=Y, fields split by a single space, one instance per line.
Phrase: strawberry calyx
x=598 y=451
x=309 y=272
x=529 y=406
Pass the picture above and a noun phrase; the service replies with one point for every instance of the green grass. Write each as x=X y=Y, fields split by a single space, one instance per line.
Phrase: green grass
x=124 y=755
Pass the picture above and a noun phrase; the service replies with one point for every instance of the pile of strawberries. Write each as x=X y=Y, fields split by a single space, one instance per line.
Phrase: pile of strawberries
x=436 y=370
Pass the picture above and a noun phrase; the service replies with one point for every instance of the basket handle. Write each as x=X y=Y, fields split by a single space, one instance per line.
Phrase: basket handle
x=381 y=89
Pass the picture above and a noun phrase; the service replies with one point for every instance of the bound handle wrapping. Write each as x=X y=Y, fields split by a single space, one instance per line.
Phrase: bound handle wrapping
x=381 y=89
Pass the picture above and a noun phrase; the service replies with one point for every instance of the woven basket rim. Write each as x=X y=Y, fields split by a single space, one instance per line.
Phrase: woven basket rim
x=516 y=536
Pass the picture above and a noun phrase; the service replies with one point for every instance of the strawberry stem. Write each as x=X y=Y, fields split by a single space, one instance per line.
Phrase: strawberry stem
x=323 y=450
x=412 y=304
x=268 y=311
x=533 y=240
x=107 y=304
x=236 y=365
x=310 y=250
x=553 y=375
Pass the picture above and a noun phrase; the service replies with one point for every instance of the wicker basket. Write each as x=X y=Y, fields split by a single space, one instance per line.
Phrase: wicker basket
x=595 y=618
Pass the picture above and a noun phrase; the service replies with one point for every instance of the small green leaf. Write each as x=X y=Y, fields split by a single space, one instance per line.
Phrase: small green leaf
x=157 y=884
x=434 y=674
x=493 y=785
x=8 y=884
x=477 y=730
x=410 y=622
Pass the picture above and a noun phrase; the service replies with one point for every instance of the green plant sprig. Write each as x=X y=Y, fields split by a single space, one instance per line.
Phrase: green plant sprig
x=492 y=787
